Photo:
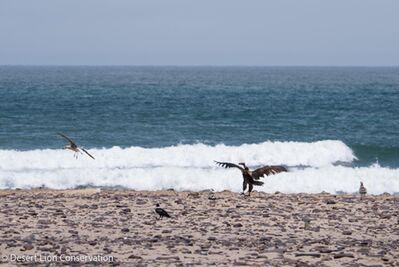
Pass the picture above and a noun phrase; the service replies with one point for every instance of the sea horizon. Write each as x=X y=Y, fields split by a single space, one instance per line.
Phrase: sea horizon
x=201 y=65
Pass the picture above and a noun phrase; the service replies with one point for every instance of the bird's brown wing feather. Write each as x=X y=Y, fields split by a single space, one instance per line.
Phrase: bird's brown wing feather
x=84 y=150
x=67 y=138
x=229 y=165
x=267 y=170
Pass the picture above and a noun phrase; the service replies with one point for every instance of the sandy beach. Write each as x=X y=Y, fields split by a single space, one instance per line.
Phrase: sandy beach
x=120 y=227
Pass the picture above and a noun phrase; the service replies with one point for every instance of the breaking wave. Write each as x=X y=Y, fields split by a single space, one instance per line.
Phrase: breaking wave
x=314 y=167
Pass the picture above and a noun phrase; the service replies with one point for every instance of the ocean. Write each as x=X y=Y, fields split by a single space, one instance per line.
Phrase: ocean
x=153 y=128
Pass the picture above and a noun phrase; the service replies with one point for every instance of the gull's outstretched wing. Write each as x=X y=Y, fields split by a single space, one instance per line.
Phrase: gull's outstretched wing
x=229 y=165
x=84 y=150
x=67 y=138
x=267 y=170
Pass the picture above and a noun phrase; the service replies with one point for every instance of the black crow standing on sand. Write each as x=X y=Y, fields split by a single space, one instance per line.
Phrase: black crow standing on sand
x=161 y=212
x=74 y=147
x=251 y=177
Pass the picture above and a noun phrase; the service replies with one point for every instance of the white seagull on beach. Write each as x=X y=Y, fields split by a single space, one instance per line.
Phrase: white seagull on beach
x=362 y=190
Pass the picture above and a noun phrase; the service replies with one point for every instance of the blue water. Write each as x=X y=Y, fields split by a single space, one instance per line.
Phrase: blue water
x=164 y=106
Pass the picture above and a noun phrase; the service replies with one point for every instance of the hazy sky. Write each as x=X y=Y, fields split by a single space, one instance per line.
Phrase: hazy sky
x=202 y=32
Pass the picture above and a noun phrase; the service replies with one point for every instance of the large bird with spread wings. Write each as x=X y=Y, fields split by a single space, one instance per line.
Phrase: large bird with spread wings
x=251 y=177
x=74 y=147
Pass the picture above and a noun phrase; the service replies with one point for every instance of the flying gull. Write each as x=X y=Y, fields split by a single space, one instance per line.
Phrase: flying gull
x=74 y=147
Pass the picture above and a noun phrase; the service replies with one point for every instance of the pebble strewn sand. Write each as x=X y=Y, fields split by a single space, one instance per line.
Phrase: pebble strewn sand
x=265 y=229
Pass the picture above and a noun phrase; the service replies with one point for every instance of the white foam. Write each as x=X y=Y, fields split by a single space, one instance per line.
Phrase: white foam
x=191 y=167
x=319 y=153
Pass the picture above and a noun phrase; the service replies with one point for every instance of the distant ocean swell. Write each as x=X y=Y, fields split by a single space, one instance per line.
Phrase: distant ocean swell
x=314 y=167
